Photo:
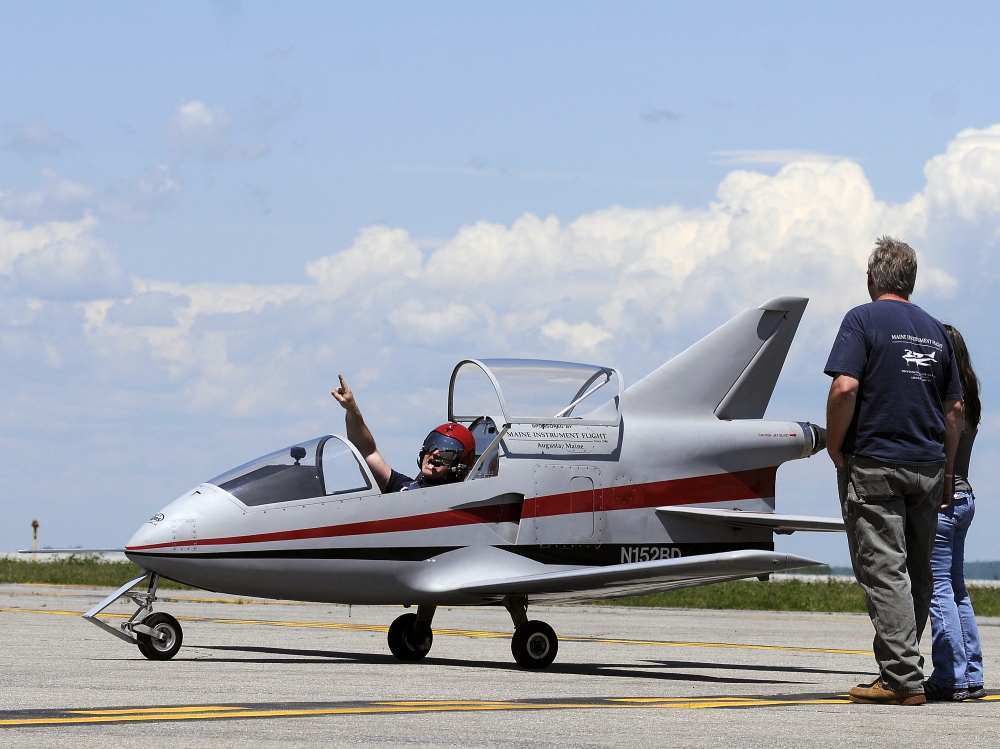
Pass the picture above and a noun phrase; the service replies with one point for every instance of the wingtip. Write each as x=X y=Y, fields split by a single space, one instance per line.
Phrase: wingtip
x=71 y=551
x=794 y=562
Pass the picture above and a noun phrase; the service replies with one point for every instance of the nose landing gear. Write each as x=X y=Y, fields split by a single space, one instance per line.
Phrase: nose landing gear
x=158 y=636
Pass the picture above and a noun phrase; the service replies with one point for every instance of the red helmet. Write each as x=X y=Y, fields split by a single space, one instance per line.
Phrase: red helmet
x=454 y=443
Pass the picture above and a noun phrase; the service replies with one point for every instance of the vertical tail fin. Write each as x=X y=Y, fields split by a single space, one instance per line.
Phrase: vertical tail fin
x=730 y=373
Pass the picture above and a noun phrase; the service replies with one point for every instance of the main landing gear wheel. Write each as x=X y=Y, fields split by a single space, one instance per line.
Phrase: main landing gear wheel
x=410 y=640
x=534 y=645
x=166 y=639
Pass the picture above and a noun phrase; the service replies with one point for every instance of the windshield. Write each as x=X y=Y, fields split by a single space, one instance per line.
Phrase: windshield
x=319 y=467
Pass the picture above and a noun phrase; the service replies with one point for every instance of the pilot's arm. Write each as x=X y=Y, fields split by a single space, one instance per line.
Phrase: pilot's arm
x=360 y=436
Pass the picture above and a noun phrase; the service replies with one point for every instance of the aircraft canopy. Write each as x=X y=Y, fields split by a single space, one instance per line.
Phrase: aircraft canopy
x=534 y=391
x=320 y=467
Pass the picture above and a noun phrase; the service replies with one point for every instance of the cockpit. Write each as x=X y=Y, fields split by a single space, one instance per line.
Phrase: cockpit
x=513 y=407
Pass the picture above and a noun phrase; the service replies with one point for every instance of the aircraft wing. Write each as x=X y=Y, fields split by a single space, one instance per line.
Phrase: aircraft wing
x=777 y=523
x=71 y=551
x=638 y=578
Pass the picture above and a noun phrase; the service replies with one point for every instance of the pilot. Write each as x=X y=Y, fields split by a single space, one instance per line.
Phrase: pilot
x=447 y=454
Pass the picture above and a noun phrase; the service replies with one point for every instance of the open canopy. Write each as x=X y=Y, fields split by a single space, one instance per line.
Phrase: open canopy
x=526 y=391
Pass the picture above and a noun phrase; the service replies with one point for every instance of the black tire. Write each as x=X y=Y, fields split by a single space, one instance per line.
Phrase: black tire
x=160 y=650
x=408 y=640
x=534 y=645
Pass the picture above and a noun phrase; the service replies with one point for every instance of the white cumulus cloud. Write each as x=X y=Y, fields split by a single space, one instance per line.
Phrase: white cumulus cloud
x=965 y=179
x=200 y=130
x=63 y=199
x=618 y=285
x=58 y=260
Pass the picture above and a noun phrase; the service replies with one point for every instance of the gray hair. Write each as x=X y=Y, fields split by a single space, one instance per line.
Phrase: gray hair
x=893 y=266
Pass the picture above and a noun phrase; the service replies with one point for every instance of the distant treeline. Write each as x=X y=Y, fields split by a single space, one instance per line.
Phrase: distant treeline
x=973 y=571
x=786 y=595
x=73 y=570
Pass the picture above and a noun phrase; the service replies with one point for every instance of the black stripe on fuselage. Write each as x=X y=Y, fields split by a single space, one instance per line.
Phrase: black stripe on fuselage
x=393 y=554
x=608 y=554
x=589 y=554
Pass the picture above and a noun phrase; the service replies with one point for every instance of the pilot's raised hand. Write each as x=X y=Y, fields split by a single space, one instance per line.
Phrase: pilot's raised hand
x=343 y=394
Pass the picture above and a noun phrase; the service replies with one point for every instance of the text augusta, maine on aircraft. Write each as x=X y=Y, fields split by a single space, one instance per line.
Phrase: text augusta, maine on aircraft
x=580 y=489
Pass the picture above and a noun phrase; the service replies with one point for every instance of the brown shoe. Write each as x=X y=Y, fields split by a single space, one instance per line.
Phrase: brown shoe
x=876 y=694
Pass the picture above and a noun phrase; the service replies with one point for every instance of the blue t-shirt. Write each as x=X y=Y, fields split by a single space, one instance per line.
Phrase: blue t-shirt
x=399 y=483
x=902 y=358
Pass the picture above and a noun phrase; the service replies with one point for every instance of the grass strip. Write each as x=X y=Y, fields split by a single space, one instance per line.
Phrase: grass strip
x=785 y=595
x=75 y=570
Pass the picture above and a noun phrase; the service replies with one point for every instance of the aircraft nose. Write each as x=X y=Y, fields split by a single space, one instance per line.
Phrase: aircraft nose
x=157 y=532
x=173 y=527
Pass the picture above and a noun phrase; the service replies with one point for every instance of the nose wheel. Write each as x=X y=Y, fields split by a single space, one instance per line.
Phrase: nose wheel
x=164 y=638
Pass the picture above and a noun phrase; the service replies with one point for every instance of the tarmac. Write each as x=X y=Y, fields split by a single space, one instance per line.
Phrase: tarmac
x=278 y=674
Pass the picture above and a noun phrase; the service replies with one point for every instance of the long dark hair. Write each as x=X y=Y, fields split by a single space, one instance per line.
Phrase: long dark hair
x=967 y=375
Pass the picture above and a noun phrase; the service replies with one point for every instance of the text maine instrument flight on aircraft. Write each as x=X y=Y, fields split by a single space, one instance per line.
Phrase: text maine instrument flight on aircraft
x=581 y=490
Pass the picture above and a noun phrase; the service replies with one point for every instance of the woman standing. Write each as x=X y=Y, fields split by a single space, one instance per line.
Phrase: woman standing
x=955 y=650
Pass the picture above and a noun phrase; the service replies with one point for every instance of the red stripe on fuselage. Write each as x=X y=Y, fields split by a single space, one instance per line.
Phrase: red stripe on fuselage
x=720 y=487
x=445 y=519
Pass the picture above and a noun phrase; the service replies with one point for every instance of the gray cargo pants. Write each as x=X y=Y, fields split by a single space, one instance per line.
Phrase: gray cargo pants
x=890 y=512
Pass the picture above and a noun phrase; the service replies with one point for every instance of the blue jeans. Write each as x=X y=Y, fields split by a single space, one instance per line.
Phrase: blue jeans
x=955 y=649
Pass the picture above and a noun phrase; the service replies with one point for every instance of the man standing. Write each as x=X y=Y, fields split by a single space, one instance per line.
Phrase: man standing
x=892 y=430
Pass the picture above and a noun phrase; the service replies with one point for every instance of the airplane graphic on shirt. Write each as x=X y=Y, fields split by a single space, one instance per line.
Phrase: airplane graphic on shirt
x=918 y=358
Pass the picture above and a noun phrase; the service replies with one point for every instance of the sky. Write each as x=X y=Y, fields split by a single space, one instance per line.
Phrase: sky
x=209 y=209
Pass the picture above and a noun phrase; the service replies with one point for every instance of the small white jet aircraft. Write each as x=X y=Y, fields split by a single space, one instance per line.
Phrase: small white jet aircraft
x=581 y=489
x=919 y=358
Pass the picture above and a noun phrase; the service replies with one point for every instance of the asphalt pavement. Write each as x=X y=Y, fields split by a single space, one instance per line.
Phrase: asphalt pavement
x=273 y=674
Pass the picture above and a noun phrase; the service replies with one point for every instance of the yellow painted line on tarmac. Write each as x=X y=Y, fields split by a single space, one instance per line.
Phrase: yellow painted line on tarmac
x=803 y=618
x=169 y=598
x=650 y=700
x=46 y=611
x=210 y=712
x=471 y=633
x=612 y=641
x=233 y=600
x=206 y=708
x=197 y=713
x=833 y=616
x=56 y=585
x=739 y=701
x=443 y=703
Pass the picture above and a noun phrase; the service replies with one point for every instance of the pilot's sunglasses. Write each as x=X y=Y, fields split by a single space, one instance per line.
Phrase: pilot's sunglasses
x=448 y=448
